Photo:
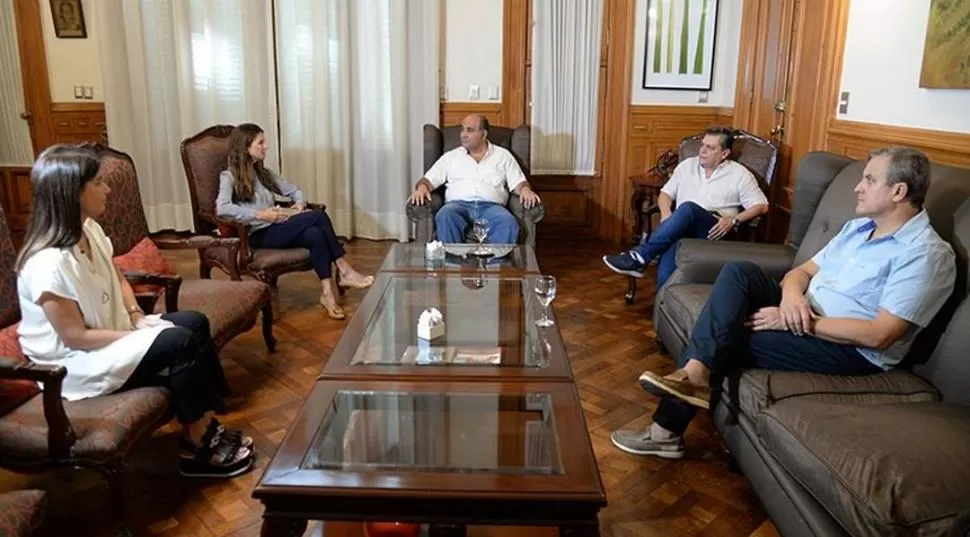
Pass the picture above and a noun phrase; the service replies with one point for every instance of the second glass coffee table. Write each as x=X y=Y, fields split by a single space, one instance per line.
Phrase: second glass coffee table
x=510 y=258
x=490 y=330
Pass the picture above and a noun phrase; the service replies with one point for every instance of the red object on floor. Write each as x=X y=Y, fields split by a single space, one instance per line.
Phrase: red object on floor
x=391 y=529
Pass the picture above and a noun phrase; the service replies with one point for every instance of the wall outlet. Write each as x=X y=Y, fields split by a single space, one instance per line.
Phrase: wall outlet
x=444 y=93
x=844 y=102
x=473 y=91
x=89 y=92
x=78 y=92
x=702 y=96
x=493 y=93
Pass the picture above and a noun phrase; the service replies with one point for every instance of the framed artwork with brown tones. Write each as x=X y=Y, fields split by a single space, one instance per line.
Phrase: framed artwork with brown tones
x=946 y=52
x=68 y=18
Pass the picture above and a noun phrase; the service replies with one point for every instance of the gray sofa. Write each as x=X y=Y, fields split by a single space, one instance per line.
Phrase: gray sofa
x=438 y=141
x=881 y=455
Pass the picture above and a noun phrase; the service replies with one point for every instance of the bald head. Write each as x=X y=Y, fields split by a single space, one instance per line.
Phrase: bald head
x=474 y=131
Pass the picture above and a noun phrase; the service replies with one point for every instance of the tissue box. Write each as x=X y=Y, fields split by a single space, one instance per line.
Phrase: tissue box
x=431 y=324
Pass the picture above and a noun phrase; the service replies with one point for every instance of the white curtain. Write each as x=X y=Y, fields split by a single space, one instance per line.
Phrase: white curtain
x=171 y=68
x=357 y=80
x=16 y=148
x=566 y=39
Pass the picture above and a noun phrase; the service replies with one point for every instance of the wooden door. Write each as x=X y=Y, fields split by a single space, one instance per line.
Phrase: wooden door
x=33 y=72
x=787 y=84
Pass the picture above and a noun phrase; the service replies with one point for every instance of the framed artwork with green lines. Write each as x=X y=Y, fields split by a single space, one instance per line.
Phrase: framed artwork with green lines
x=679 y=44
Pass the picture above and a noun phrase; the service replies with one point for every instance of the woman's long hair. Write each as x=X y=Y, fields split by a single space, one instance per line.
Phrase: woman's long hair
x=58 y=177
x=245 y=169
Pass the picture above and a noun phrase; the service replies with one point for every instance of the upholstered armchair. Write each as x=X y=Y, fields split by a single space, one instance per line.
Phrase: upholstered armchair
x=22 y=512
x=39 y=430
x=758 y=155
x=232 y=306
x=204 y=156
x=438 y=141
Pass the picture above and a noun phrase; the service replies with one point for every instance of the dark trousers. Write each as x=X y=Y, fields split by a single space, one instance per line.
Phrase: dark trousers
x=721 y=341
x=689 y=220
x=195 y=376
x=312 y=230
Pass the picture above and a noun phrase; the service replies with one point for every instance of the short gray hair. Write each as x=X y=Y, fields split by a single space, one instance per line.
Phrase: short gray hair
x=909 y=166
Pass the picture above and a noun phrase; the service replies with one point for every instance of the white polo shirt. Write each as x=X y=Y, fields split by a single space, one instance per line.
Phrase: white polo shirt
x=468 y=180
x=730 y=189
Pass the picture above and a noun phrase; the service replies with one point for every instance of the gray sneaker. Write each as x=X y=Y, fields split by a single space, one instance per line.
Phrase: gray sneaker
x=638 y=442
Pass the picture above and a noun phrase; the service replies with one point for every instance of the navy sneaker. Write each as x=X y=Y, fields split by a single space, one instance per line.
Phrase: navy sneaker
x=625 y=263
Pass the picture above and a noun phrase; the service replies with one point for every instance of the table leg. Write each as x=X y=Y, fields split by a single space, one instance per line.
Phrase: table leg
x=278 y=526
x=580 y=530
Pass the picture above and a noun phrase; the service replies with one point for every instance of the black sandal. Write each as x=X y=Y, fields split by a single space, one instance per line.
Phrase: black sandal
x=187 y=450
x=216 y=456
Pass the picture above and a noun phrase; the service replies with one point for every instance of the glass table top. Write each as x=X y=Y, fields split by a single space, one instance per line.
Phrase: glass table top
x=489 y=320
x=462 y=257
x=491 y=433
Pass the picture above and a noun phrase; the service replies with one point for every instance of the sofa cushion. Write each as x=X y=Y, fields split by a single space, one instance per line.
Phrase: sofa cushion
x=14 y=393
x=760 y=388
x=684 y=302
x=894 y=469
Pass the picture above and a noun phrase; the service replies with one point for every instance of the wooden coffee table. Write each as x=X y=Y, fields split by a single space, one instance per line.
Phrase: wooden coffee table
x=490 y=330
x=481 y=426
x=448 y=452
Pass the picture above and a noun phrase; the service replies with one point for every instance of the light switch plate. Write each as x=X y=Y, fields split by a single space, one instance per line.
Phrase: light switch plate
x=844 y=102
x=89 y=92
x=78 y=92
x=473 y=91
x=702 y=97
x=493 y=93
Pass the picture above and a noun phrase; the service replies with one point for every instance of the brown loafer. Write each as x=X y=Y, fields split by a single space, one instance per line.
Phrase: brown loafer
x=679 y=387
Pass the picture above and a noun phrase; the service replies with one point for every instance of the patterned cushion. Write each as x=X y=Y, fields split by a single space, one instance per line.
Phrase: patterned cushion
x=14 y=393
x=21 y=512
x=231 y=306
x=144 y=257
x=106 y=426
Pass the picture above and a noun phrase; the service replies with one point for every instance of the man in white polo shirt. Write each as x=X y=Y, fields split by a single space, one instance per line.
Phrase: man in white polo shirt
x=480 y=176
x=712 y=194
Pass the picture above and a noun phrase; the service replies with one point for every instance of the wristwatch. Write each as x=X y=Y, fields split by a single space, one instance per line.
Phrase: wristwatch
x=735 y=221
x=135 y=309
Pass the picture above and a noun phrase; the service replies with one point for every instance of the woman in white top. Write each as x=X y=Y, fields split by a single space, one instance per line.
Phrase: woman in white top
x=79 y=312
x=246 y=194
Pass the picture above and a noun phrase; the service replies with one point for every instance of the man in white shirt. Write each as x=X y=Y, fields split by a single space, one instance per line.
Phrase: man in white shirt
x=480 y=176
x=713 y=194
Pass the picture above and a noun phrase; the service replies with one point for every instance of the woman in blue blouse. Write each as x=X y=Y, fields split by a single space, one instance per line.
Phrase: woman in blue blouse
x=246 y=194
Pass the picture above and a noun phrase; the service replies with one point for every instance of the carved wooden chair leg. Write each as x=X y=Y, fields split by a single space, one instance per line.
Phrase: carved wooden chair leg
x=631 y=290
x=112 y=473
x=268 y=326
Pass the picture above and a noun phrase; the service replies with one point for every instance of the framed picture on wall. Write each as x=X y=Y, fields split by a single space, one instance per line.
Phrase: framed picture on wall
x=679 y=45
x=68 y=19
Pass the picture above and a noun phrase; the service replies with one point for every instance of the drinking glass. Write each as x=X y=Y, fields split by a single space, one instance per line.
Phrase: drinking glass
x=545 y=291
x=480 y=233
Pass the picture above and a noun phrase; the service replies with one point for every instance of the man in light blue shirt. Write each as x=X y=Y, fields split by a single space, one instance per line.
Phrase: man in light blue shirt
x=854 y=308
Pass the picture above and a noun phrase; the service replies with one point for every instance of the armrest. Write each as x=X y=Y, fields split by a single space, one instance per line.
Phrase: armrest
x=203 y=242
x=700 y=261
x=533 y=214
x=417 y=212
x=60 y=434
x=171 y=282
x=322 y=207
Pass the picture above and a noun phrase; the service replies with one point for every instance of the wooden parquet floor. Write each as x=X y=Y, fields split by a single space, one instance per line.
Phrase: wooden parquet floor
x=609 y=345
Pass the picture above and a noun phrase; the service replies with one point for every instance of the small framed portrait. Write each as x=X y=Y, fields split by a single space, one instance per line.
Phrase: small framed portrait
x=68 y=19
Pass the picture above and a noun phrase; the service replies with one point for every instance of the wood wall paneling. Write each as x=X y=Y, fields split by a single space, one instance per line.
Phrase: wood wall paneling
x=15 y=195
x=515 y=55
x=453 y=113
x=570 y=206
x=79 y=122
x=855 y=139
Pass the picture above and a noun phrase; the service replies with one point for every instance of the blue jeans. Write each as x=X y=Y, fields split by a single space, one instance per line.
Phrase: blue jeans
x=721 y=341
x=454 y=218
x=312 y=230
x=689 y=220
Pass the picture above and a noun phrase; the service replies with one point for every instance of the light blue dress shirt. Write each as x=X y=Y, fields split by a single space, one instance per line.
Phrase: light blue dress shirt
x=910 y=274
x=245 y=211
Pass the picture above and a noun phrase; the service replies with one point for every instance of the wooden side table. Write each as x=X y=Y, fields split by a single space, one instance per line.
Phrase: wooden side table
x=646 y=189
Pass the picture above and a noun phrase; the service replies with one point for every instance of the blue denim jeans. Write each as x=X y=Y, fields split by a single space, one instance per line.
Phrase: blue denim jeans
x=455 y=217
x=720 y=340
x=689 y=220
